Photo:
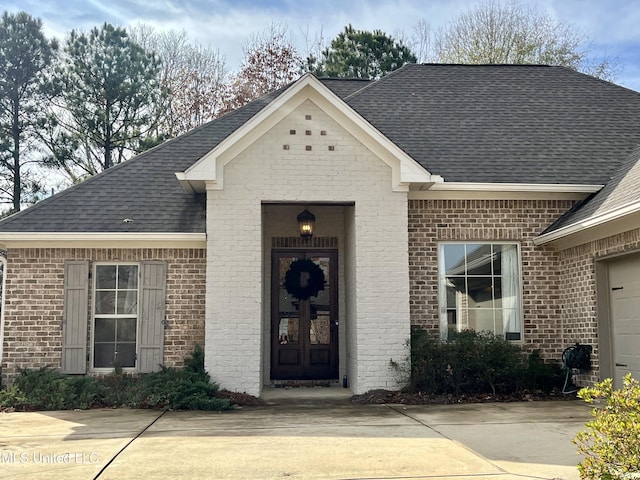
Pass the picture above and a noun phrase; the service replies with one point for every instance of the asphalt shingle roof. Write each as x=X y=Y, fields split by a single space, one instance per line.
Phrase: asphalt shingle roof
x=467 y=123
x=144 y=189
x=505 y=123
x=345 y=86
x=622 y=190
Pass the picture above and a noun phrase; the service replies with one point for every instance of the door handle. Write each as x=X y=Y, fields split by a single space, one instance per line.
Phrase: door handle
x=621 y=364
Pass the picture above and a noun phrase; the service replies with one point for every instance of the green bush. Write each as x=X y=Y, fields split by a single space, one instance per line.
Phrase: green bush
x=172 y=388
x=120 y=390
x=483 y=362
x=471 y=362
x=11 y=396
x=195 y=362
x=179 y=389
x=539 y=376
x=46 y=389
x=611 y=442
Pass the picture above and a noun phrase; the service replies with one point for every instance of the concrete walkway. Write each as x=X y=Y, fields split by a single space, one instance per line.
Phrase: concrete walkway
x=302 y=437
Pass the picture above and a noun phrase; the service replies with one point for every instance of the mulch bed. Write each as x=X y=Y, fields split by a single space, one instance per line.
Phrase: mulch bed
x=240 y=399
x=399 y=397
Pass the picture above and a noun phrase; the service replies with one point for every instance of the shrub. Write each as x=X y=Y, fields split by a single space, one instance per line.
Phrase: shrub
x=186 y=388
x=121 y=390
x=179 y=389
x=195 y=362
x=427 y=370
x=46 y=389
x=471 y=362
x=611 y=441
x=541 y=376
x=11 y=396
x=483 y=362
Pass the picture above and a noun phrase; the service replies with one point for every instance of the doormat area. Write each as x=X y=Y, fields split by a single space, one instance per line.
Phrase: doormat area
x=302 y=383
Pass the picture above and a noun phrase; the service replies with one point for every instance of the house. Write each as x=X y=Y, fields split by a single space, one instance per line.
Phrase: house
x=491 y=197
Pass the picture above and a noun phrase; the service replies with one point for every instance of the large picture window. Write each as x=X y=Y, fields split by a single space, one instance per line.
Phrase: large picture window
x=115 y=316
x=480 y=288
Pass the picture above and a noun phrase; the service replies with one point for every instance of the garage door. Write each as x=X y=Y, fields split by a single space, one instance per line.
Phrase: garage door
x=624 y=283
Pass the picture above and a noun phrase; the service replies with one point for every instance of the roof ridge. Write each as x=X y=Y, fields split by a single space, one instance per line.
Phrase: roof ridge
x=384 y=78
x=543 y=65
x=344 y=79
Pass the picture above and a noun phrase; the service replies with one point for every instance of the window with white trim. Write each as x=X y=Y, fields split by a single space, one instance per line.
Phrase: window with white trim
x=480 y=288
x=115 y=310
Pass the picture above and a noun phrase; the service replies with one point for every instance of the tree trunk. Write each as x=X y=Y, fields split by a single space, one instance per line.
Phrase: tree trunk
x=17 y=183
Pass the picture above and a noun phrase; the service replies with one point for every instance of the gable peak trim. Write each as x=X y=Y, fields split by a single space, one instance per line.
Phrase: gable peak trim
x=208 y=171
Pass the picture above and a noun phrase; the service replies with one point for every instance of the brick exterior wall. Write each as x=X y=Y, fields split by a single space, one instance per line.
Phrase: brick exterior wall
x=34 y=302
x=293 y=163
x=543 y=273
x=578 y=276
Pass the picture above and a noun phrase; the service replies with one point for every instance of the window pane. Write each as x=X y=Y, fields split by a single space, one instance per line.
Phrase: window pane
x=126 y=330
x=103 y=355
x=283 y=268
x=127 y=302
x=289 y=330
x=510 y=322
x=287 y=302
x=499 y=323
x=323 y=297
x=497 y=264
x=479 y=259
x=105 y=330
x=497 y=292
x=452 y=319
x=126 y=355
x=106 y=276
x=105 y=302
x=320 y=331
x=454 y=259
x=481 y=319
x=127 y=276
x=456 y=292
x=480 y=292
x=323 y=263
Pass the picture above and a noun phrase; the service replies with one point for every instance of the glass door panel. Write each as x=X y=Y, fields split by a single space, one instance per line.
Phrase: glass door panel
x=297 y=354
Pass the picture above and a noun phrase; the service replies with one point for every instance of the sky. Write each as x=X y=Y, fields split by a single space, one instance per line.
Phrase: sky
x=227 y=25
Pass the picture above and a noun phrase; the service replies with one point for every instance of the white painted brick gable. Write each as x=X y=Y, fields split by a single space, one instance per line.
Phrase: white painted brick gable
x=376 y=280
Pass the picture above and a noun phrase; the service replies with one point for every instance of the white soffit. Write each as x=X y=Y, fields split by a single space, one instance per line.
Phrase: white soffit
x=209 y=169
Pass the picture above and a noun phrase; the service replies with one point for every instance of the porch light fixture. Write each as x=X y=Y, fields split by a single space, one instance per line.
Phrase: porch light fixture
x=306 y=220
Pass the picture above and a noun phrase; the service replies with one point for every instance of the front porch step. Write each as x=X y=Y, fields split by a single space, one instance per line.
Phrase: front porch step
x=306 y=394
x=302 y=383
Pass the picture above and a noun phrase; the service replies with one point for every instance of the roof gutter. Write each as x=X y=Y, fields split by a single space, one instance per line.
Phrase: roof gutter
x=516 y=187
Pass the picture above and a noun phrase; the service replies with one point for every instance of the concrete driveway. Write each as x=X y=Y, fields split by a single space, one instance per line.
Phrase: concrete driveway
x=314 y=439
